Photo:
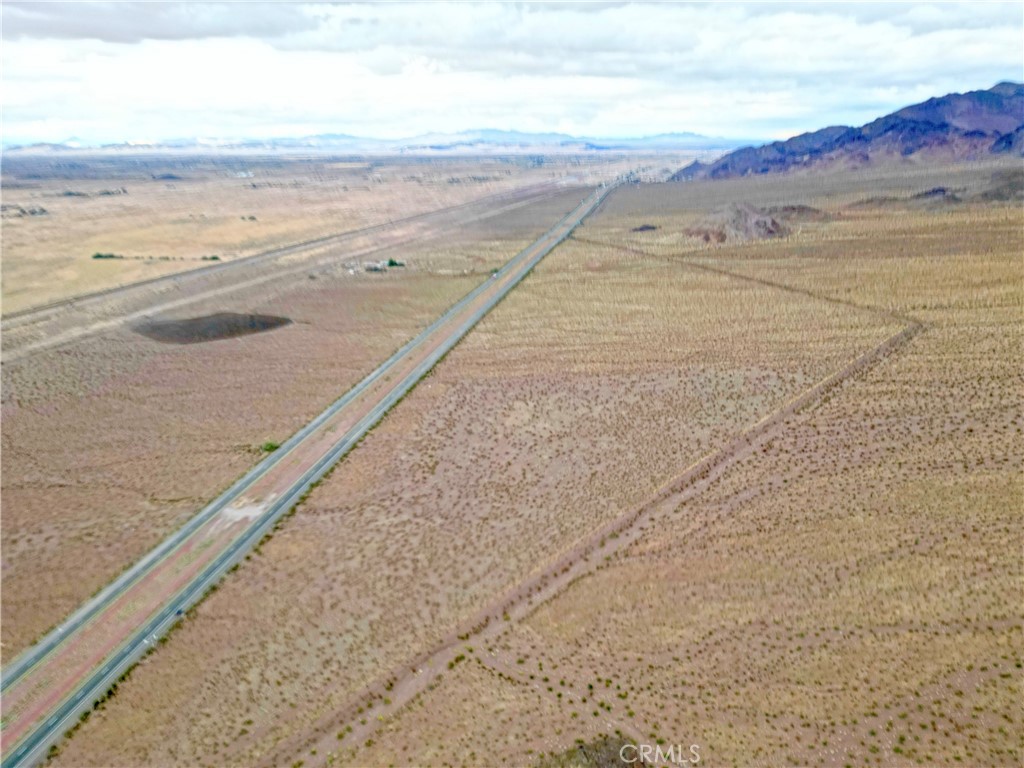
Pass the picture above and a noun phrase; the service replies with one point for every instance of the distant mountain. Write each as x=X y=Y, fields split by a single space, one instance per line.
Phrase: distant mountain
x=483 y=141
x=957 y=126
x=562 y=141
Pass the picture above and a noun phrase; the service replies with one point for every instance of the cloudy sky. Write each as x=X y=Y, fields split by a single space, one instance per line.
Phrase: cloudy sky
x=125 y=71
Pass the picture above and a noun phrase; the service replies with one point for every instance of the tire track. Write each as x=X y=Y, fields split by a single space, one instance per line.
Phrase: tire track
x=54 y=676
x=44 y=328
x=407 y=682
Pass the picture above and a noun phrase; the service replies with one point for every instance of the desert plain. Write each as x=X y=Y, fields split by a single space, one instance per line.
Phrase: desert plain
x=686 y=484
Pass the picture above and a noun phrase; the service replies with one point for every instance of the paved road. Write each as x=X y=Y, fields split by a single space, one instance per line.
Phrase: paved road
x=41 y=328
x=51 y=684
x=33 y=313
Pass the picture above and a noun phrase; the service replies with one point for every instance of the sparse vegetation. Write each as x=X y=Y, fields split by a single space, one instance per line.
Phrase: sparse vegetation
x=859 y=561
x=170 y=219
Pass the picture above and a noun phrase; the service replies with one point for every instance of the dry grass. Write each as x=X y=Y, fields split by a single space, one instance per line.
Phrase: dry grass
x=490 y=718
x=597 y=380
x=207 y=209
x=847 y=596
x=112 y=442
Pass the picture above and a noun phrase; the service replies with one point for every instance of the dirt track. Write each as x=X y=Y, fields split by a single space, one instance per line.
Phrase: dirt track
x=67 y=321
x=412 y=679
x=64 y=671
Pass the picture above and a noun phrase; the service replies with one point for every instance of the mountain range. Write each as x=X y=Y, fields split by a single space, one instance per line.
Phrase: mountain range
x=474 y=141
x=958 y=126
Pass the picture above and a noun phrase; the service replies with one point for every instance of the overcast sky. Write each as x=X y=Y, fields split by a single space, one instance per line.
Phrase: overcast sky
x=105 y=72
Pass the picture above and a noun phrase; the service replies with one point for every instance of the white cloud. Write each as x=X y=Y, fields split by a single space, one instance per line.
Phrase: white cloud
x=132 y=22
x=109 y=72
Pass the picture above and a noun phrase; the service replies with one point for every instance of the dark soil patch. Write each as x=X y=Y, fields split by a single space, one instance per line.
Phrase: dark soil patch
x=934 y=192
x=938 y=194
x=195 y=330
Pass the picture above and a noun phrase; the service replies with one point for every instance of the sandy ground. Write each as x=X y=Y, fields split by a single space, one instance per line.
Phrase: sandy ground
x=845 y=596
x=841 y=590
x=228 y=207
x=596 y=381
x=112 y=442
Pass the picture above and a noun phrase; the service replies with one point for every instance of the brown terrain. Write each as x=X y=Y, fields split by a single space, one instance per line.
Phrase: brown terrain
x=156 y=215
x=755 y=495
x=114 y=440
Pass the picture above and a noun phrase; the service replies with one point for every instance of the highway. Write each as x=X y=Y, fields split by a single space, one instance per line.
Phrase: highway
x=273 y=253
x=15 y=669
x=34 y=330
x=50 y=685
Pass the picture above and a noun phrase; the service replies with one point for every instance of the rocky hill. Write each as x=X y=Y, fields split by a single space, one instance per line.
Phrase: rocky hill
x=957 y=126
